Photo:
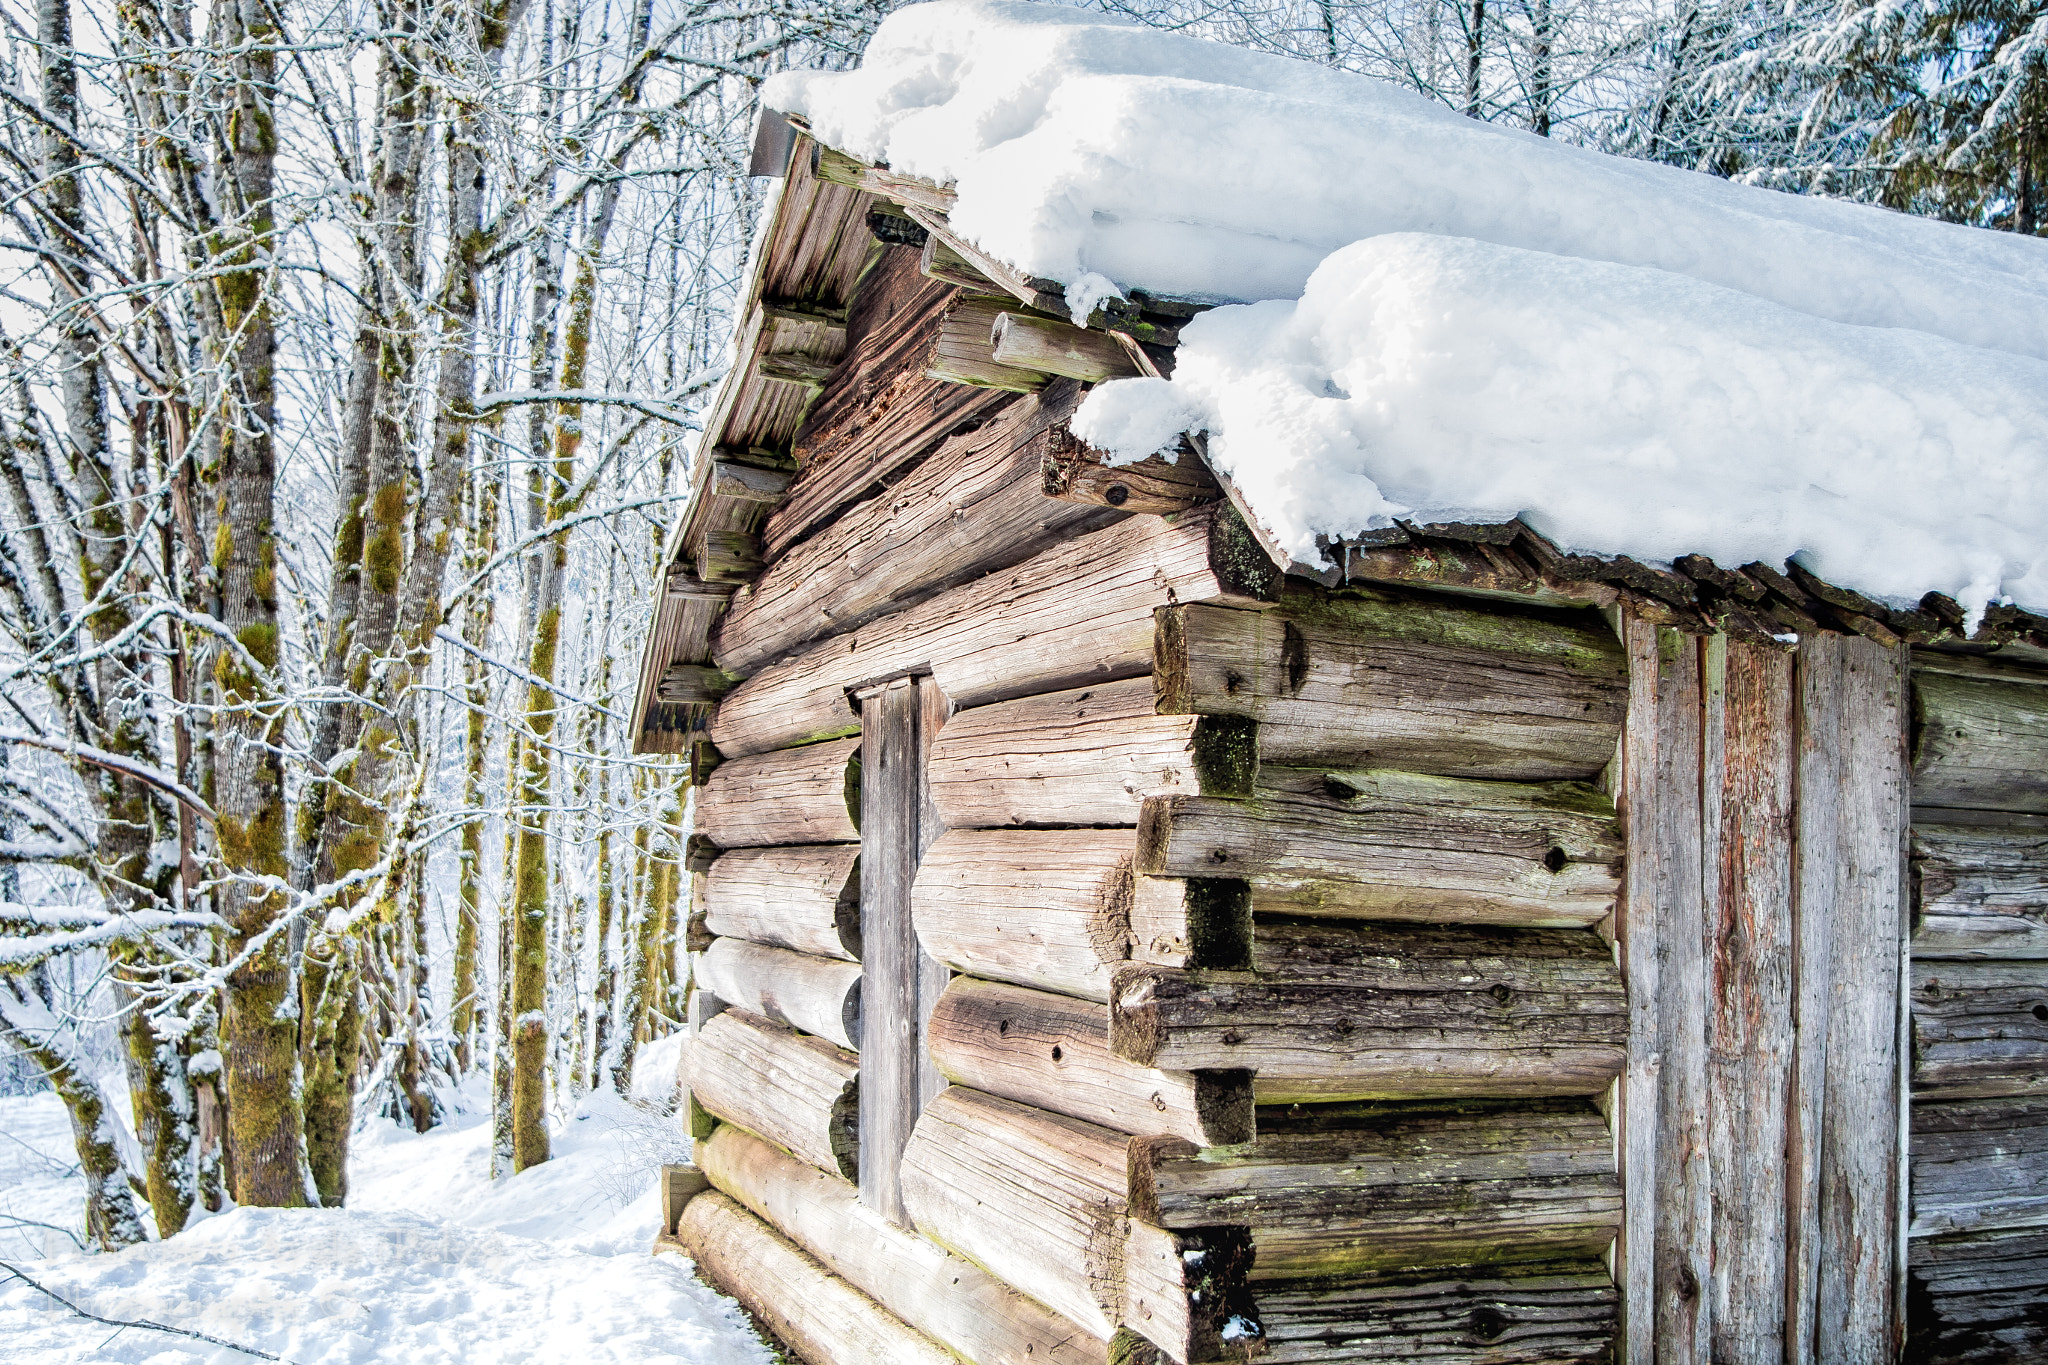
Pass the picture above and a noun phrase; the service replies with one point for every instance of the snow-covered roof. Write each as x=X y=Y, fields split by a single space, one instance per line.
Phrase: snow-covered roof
x=1448 y=319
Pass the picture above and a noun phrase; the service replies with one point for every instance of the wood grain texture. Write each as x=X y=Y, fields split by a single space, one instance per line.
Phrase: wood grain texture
x=1089 y=756
x=1978 y=1299
x=1980 y=891
x=799 y=1093
x=890 y=808
x=972 y=505
x=818 y=1315
x=1074 y=616
x=1399 y=1188
x=806 y=795
x=1979 y=1165
x=1546 y=1315
x=820 y=995
x=1028 y=341
x=1979 y=744
x=805 y=898
x=1343 y=1012
x=963 y=352
x=1388 y=845
x=1048 y=909
x=1052 y=1052
x=1979 y=1029
x=1391 y=680
x=955 y=1303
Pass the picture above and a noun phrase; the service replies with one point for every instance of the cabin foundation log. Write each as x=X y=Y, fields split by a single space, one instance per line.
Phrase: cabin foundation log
x=1981 y=744
x=807 y=795
x=820 y=995
x=806 y=899
x=1543 y=1315
x=799 y=1093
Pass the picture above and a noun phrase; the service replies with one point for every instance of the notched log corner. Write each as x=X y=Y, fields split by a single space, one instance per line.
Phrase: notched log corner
x=1075 y=471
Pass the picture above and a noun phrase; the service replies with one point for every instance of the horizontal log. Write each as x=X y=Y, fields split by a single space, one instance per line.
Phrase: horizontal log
x=747 y=482
x=805 y=795
x=799 y=1093
x=728 y=555
x=1027 y=341
x=1052 y=1052
x=1979 y=744
x=1978 y=1165
x=940 y=262
x=1089 y=756
x=969 y=507
x=1401 y=1189
x=950 y=1300
x=1187 y=1292
x=1389 y=845
x=1343 y=1012
x=1159 y=484
x=1076 y=615
x=1043 y=908
x=964 y=353
x=1543 y=1315
x=805 y=898
x=1979 y=1029
x=683 y=684
x=1978 y=1298
x=810 y=372
x=819 y=995
x=1042 y=1201
x=1387 y=680
x=1980 y=891
x=1191 y=922
x=818 y=1315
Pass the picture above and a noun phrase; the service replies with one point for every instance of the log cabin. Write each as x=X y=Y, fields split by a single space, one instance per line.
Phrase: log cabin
x=1116 y=940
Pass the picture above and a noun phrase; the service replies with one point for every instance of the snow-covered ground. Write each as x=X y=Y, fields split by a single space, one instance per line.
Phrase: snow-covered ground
x=432 y=1261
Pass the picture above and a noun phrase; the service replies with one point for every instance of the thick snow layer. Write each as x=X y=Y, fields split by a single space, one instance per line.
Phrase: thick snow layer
x=1080 y=143
x=1619 y=409
x=431 y=1262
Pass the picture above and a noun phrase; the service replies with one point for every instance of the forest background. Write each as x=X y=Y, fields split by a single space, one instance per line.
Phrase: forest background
x=351 y=362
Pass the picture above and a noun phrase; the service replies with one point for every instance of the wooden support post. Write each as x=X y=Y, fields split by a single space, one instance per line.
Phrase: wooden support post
x=679 y=1185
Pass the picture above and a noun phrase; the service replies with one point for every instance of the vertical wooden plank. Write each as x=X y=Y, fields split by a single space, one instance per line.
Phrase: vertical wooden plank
x=1851 y=830
x=1749 y=784
x=890 y=806
x=932 y=975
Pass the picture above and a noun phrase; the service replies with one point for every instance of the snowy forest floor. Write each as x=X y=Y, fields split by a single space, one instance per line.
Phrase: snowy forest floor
x=431 y=1261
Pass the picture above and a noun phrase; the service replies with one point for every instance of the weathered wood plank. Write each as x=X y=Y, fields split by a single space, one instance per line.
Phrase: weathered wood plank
x=1052 y=1052
x=1980 y=891
x=971 y=506
x=1979 y=1165
x=818 y=1315
x=964 y=353
x=1543 y=1315
x=1076 y=615
x=1387 y=680
x=890 y=801
x=1847 y=1098
x=1979 y=744
x=1343 y=1012
x=1089 y=756
x=1048 y=909
x=1399 y=1188
x=1978 y=1299
x=1980 y=1029
x=1389 y=845
x=819 y=995
x=806 y=795
x=955 y=1303
x=1029 y=342
x=799 y=1093
x=805 y=898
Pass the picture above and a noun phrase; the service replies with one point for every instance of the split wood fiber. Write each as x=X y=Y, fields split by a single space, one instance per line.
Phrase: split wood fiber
x=1385 y=680
x=819 y=995
x=1393 y=845
x=1089 y=756
x=806 y=899
x=1979 y=1165
x=1042 y=908
x=816 y=1314
x=805 y=795
x=1980 y=890
x=1979 y=743
x=799 y=1093
x=1344 y=1012
x=1541 y=1315
x=1978 y=1298
x=1052 y=1052
x=968 y=507
x=1979 y=1029
x=1076 y=615
x=1398 y=1187
x=950 y=1300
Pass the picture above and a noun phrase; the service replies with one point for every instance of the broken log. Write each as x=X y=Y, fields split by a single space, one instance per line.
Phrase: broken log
x=799 y=1093
x=806 y=795
x=819 y=995
x=1539 y=1315
x=1979 y=744
x=1344 y=1012
x=1391 y=845
x=1979 y=1165
x=1387 y=680
x=1031 y=342
x=806 y=899
x=1980 y=1029
x=1084 y=757
x=1052 y=1052
x=1980 y=891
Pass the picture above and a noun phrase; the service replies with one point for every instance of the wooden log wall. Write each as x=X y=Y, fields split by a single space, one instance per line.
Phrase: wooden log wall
x=1977 y=1258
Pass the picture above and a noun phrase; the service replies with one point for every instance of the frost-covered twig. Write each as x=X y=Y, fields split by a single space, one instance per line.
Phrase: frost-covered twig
x=18 y=1274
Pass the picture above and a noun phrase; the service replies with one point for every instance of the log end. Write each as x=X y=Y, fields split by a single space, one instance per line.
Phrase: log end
x=1225 y=1108
x=1136 y=1031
